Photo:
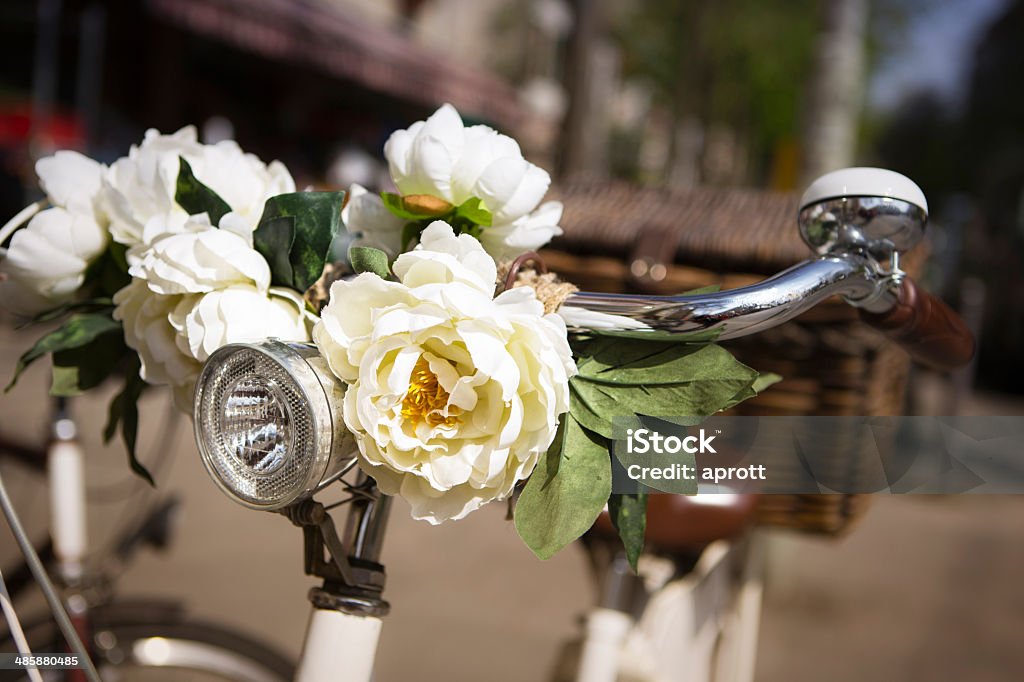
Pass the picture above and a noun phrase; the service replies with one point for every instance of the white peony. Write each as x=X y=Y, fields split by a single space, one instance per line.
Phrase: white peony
x=142 y=185
x=45 y=262
x=197 y=258
x=71 y=181
x=175 y=334
x=237 y=314
x=440 y=157
x=528 y=233
x=453 y=394
x=148 y=331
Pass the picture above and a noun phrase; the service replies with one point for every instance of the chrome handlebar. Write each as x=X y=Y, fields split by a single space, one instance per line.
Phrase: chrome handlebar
x=751 y=309
x=858 y=221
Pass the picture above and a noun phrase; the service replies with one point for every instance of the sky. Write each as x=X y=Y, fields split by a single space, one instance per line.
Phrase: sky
x=937 y=54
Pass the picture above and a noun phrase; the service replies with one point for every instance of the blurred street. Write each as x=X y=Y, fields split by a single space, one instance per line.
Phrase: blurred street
x=924 y=589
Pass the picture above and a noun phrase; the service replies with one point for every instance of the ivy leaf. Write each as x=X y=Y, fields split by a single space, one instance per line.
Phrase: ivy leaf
x=79 y=369
x=78 y=331
x=629 y=516
x=416 y=207
x=369 y=259
x=274 y=239
x=474 y=211
x=195 y=197
x=295 y=234
x=124 y=411
x=566 y=491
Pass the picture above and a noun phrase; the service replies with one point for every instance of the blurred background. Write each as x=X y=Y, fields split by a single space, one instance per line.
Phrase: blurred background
x=668 y=94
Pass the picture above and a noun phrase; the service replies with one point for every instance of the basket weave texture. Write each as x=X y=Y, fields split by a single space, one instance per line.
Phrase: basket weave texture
x=830 y=362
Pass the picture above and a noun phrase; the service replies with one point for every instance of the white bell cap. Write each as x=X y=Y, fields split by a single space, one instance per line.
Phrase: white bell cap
x=864 y=182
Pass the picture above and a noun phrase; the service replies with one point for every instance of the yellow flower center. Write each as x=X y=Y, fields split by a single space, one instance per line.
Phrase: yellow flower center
x=426 y=399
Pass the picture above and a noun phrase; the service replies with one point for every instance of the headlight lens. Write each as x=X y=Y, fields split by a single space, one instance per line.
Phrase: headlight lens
x=264 y=422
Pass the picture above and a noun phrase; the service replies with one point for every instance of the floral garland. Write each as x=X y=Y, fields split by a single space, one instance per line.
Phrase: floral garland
x=457 y=392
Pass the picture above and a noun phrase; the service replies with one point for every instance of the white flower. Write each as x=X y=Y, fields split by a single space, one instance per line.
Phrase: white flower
x=197 y=258
x=148 y=331
x=238 y=314
x=440 y=157
x=46 y=262
x=366 y=217
x=142 y=185
x=175 y=334
x=443 y=158
x=70 y=180
x=528 y=233
x=453 y=394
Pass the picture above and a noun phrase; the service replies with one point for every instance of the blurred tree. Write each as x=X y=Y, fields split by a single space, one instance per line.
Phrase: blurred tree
x=836 y=89
x=741 y=64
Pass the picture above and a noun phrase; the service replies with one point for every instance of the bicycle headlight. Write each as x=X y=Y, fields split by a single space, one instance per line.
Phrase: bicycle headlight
x=268 y=422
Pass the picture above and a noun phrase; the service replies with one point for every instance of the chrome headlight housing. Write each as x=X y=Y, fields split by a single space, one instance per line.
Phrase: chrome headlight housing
x=268 y=422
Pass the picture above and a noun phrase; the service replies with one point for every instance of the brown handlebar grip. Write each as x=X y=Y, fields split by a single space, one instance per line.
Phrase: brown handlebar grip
x=926 y=328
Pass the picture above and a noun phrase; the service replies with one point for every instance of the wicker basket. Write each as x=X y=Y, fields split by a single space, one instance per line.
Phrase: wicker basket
x=622 y=238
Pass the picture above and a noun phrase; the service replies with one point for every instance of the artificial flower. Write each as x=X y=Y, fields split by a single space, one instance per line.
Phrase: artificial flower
x=143 y=184
x=196 y=258
x=46 y=261
x=453 y=394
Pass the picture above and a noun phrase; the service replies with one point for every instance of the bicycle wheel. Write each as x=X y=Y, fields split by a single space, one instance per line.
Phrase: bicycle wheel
x=156 y=649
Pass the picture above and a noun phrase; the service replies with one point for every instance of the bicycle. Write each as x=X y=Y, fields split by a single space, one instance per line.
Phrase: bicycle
x=129 y=639
x=858 y=221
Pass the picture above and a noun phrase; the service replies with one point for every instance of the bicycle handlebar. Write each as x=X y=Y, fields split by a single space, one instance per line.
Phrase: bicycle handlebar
x=925 y=327
x=921 y=323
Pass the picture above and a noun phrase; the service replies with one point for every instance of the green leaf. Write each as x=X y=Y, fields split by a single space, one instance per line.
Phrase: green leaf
x=195 y=197
x=91 y=305
x=369 y=259
x=295 y=234
x=588 y=415
x=696 y=399
x=274 y=239
x=79 y=369
x=124 y=411
x=474 y=211
x=567 y=490
x=629 y=516
x=415 y=207
x=762 y=382
x=709 y=289
x=75 y=333
x=644 y=363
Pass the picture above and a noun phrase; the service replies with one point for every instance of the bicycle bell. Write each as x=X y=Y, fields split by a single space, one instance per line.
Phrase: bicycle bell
x=265 y=423
x=872 y=211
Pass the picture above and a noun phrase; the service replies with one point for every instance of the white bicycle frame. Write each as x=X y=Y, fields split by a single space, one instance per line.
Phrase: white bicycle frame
x=338 y=641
